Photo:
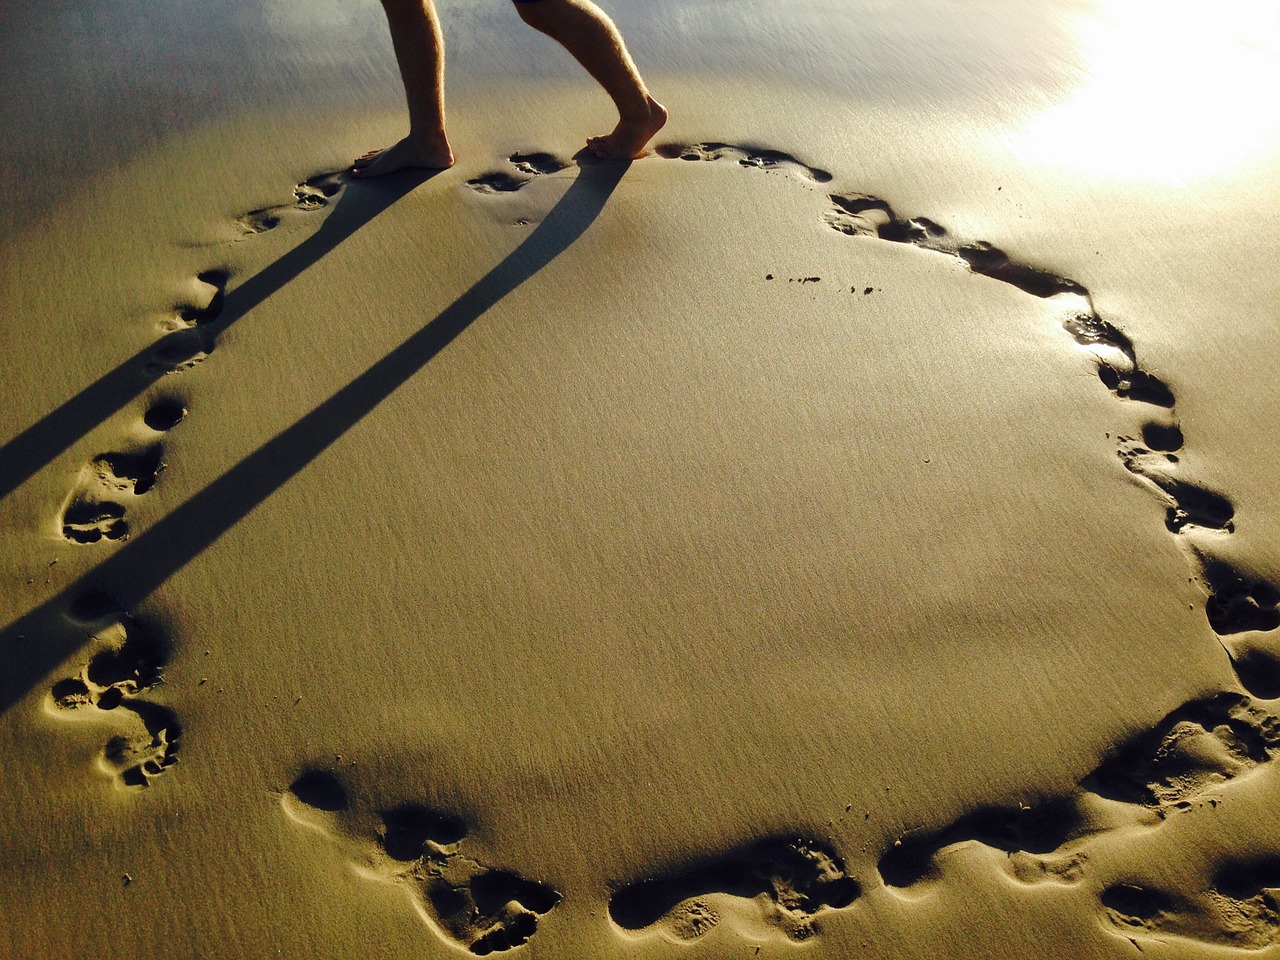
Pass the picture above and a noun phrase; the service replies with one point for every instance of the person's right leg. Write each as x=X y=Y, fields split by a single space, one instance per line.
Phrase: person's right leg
x=589 y=35
x=419 y=48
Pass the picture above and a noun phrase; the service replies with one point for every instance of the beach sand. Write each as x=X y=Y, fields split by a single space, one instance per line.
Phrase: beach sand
x=848 y=529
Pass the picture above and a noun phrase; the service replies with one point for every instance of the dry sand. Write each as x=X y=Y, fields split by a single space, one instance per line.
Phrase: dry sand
x=847 y=530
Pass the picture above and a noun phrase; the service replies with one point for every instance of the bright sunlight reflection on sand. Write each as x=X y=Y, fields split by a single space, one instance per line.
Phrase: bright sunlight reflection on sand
x=1171 y=90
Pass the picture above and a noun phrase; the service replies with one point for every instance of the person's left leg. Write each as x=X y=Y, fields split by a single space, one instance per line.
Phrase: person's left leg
x=590 y=36
x=419 y=48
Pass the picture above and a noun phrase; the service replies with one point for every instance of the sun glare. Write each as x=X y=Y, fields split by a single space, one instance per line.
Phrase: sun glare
x=1172 y=90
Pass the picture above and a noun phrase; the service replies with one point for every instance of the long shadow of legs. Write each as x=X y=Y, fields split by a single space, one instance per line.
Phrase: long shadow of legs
x=36 y=446
x=34 y=644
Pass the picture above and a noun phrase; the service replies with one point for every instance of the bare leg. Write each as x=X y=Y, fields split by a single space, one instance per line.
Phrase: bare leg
x=589 y=35
x=419 y=47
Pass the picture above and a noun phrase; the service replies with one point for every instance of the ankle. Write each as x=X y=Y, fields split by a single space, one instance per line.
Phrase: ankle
x=434 y=141
x=633 y=108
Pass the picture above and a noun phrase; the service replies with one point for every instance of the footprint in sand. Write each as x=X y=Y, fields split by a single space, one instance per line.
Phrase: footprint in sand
x=482 y=909
x=191 y=336
x=1039 y=829
x=1186 y=504
x=746 y=156
x=1196 y=748
x=1240 y=909
x=164 y=414
x=210 y=293
x=128 y=661
x=790 y=881
x=95 y=509
x=310 y=195
x=1201 y=745
x=526 y=165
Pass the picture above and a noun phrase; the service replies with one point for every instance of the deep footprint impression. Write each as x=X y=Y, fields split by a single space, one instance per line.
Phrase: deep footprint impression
x=1199 y=746
x=484 y=909
x=95 y=509
x=526 y=165
x=1240 y=908
x=191 y=337
x=792 y=881
x=129 y=661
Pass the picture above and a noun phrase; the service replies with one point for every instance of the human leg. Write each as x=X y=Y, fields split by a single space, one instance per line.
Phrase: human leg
x=419 y=49
x=590 y=36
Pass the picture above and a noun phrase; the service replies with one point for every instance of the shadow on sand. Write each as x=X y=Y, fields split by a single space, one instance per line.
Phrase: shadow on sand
x=38 y=641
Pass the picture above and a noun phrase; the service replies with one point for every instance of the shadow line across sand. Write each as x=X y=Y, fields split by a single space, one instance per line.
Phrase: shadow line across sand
x=38 y=641
x=40 y=443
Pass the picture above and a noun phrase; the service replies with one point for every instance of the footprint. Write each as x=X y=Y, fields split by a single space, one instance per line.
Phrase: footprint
x=129 y=661
x=320 y=790
x=1258 y=671
x=1237 y=602
x=180 y=350
x=186 y=316
x=1090 y=330
x=1240 y=909
x=990 y=261
x=1163 y=437
x=1200 y=745
x=483 y=909
x=1033 y=830
x=747 y=156
x=527 y=165
x=163 y=415
x=537 y=164
x=311 y=194
x=94 y=511
x=1187 y=504
x=792 y=881
x=497 y=182
x=480 y=908
x=85 y=520
x=1135 y=384
x=1062 y=868
x=191 y=336
x=139 y=756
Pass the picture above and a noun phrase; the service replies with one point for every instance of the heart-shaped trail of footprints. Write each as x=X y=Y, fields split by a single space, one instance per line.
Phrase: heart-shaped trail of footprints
x=483 y=909
x=1202 y=745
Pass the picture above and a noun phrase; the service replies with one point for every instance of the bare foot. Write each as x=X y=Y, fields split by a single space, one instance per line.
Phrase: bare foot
x=629 y=137
x=404 y=155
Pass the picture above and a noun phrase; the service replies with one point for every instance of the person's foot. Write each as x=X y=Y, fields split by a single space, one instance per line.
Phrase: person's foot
x=629 y=137
x=405 y=155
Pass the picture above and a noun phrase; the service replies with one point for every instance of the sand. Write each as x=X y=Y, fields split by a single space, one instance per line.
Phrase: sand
x=846 y=530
